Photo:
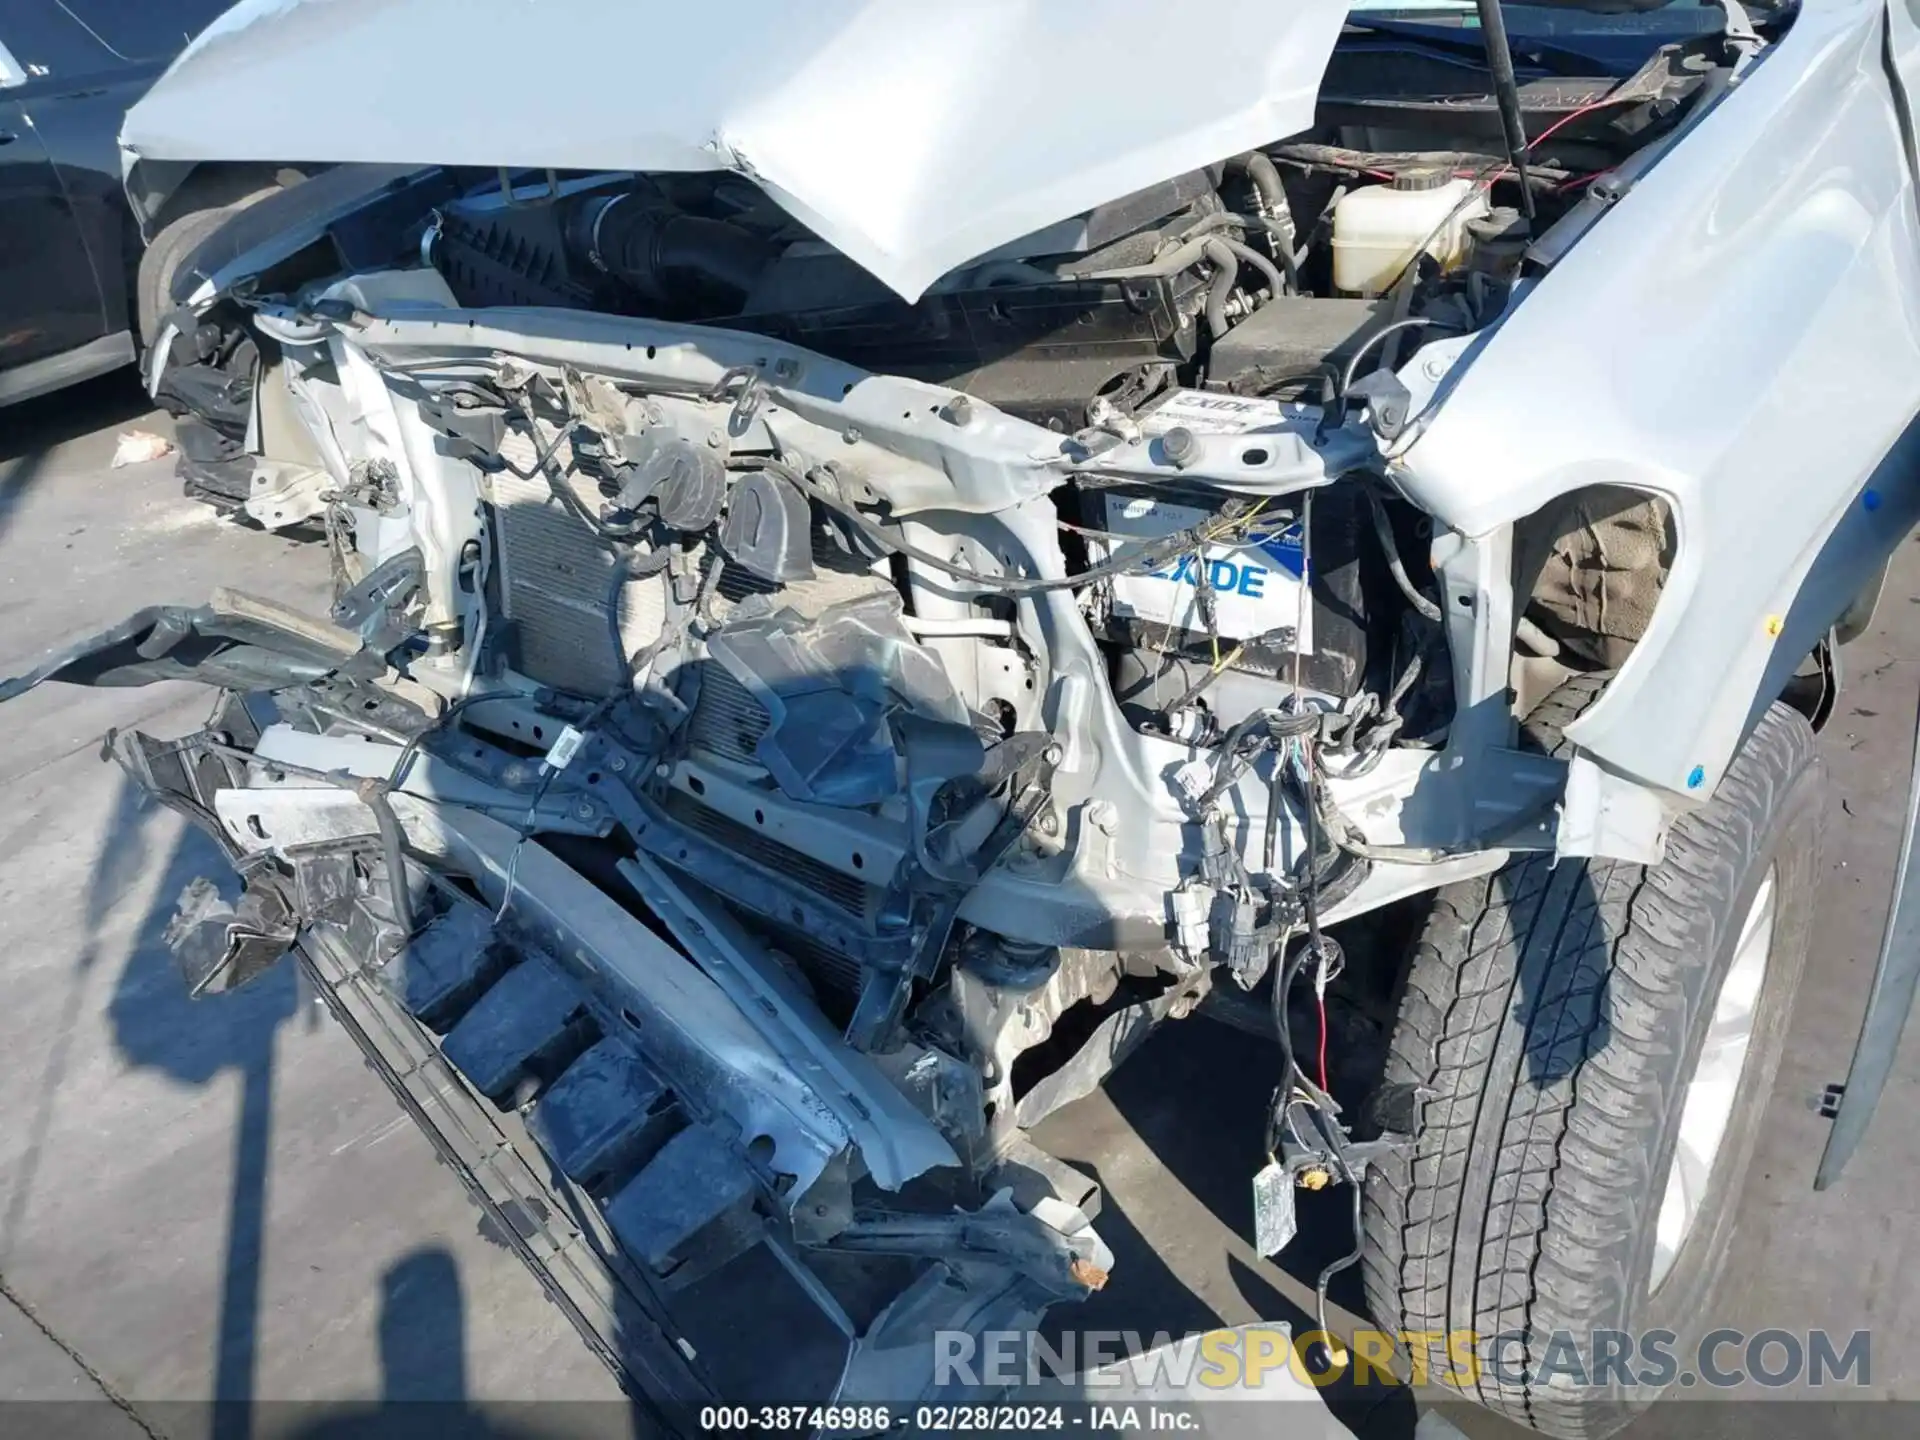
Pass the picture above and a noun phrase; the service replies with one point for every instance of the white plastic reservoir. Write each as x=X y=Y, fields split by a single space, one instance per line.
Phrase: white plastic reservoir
x=1378 y=230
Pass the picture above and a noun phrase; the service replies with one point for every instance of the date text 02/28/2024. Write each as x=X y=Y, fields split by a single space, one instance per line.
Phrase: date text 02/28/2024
x=944 y=1419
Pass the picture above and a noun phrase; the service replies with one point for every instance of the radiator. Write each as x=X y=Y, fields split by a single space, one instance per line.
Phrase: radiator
x=554 y=581
x=555 y=576
x=727 y=721
x=827 y=970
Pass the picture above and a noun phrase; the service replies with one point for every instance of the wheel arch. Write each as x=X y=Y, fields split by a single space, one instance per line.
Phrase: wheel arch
x=161 y=191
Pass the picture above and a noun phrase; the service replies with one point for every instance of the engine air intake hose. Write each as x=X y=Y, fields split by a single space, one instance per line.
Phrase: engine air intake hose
x=660 y=251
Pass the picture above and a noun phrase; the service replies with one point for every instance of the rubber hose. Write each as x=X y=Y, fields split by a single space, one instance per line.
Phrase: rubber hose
x=1383 y=532
x=1265 y=176
x=1259 y=262
x=657 y=250
x=1226 y=270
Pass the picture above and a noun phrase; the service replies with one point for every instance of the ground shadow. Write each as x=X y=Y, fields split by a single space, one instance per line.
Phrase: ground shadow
x=157 y=1025
x=38 y=425
x=1143 y=1297
x=1197 y=1096
x=423 y=1372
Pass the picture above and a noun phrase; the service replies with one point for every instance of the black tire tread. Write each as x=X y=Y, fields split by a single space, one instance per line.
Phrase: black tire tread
x=175 y=241
x=1518 y=1191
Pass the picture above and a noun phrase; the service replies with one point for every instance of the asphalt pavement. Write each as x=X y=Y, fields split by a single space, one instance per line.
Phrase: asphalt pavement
x=214 y=1201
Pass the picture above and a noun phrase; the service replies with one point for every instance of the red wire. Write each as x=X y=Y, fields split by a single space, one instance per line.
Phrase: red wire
x=1320 y=1004
x=1503 y=171
x=1573 y=115
x=1567 y=119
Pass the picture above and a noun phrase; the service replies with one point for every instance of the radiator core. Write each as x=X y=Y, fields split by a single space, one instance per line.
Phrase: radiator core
x=556 y=576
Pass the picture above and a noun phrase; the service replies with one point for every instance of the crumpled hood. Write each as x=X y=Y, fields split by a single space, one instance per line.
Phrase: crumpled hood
x=912 y=136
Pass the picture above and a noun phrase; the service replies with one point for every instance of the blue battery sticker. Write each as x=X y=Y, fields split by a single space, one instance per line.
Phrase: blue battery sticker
x=1256 y=581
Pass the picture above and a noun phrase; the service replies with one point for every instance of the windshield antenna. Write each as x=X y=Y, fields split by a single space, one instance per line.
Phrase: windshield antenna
x=1506 y=91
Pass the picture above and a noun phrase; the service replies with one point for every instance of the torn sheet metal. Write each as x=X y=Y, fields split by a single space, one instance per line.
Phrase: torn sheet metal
x=695 y=1035
x=235 y=640
x=895 y=1140
x=912 y=137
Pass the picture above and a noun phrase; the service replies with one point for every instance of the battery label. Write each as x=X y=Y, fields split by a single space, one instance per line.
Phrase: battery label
x=1207 y=413
x=1257 y=578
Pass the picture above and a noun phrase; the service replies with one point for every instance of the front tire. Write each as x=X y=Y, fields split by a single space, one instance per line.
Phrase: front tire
x=1559 y=1016
x=171 y=247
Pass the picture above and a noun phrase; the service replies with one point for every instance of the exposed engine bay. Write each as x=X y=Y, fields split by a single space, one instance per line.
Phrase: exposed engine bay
x=966 y=685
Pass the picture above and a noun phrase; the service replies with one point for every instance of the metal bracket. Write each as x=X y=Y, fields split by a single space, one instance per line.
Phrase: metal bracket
x=896 y=1141
x=511 y=199
x=1606 y=816
x=562 y=807
x=284 y=492
x=374 y=608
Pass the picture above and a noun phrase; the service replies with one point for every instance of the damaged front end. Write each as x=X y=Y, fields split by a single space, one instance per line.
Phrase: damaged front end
x=730 y=776
x=673 y=1146
x=782 y=735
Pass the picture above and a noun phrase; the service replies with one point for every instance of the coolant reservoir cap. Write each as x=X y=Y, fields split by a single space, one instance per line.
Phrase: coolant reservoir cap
x=1421 y=177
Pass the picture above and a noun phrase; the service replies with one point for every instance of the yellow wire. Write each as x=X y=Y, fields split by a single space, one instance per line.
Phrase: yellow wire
x=1223 y=527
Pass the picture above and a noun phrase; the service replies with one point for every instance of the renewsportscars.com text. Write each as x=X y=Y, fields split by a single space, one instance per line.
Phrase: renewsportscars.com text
x=1246 y=1357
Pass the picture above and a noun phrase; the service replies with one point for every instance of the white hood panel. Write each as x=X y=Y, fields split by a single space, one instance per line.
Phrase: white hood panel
x=912 y=136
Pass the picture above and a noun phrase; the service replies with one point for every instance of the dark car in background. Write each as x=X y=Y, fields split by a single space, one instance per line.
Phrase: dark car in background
x=79 y=293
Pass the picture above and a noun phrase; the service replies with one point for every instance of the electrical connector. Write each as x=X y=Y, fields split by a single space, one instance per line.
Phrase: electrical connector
x=1194 y=778
x=565 y=746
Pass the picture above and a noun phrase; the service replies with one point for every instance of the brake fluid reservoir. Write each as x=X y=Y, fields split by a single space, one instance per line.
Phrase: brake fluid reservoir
x=1378 y=230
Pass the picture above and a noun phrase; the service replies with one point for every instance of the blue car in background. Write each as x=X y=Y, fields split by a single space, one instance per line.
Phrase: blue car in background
x=79 y=293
